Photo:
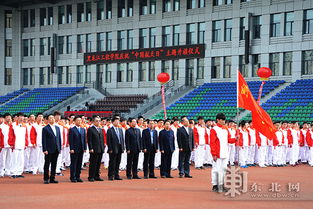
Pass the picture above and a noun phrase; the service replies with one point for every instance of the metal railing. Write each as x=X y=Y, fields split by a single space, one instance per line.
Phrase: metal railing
x=155 y=100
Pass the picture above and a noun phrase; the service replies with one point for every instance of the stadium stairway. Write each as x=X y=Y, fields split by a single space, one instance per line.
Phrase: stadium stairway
x=211 y=98
x=78 y=101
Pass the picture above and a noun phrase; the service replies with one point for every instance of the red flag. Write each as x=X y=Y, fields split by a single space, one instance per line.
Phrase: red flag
x=245 y=98
x=262 y=122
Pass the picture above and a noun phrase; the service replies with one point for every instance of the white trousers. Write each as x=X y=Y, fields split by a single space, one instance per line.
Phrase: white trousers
x=256 y=155
x=284 y=150
x=262 y=152
x=27 y=159
x=208 y=159
x=5 y=161
x=175 y=158
x=140 y=160
x=277 y=155
x=123 y=161
x=231 y=153
x=294 y=154
x=243 y=155
x=311 y=156
x=251 y=154
x=17 y=162
x=304 y=154
x=66 y=157
x=106 y=157
x=37 y=159
x=237 y=154
x=218 y=171
x=157 y=159
x=269 y=157
x=199 y=156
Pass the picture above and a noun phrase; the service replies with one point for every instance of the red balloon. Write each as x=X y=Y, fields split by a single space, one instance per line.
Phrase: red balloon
x=264 y=73
x=163 y=78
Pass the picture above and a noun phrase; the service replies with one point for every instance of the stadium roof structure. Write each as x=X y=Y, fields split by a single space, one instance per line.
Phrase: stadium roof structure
x=19 y=3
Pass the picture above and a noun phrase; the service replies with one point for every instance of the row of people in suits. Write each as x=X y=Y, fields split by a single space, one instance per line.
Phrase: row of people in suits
x=134 y=142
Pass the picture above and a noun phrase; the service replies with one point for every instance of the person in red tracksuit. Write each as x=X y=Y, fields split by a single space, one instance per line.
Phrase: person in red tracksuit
x=219 y=139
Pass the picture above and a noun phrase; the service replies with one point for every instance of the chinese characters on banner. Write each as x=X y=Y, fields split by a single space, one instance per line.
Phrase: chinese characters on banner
x=142 y=55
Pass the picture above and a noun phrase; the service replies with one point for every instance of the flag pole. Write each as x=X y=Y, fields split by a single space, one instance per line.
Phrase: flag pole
x=237 y=91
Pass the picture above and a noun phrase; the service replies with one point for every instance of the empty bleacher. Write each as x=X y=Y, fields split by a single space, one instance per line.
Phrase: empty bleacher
x=118 y=103
x=39 y=100
x=212 y=98
x=9 y=96
x=294 y=103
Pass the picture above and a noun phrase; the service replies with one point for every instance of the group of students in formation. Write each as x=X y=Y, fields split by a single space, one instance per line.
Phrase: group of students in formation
x=39 y=144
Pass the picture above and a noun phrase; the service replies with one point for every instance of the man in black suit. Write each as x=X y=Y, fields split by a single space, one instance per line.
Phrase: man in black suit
x=51 y=147
x=185 y=140
x=133 y=148
x=167 y=147
x=77 y=141
x=115 y=141
x=150 y=147
x=96 y=148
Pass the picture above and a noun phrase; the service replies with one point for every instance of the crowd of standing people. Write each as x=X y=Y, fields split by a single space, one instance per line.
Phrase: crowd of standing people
x=49 y=144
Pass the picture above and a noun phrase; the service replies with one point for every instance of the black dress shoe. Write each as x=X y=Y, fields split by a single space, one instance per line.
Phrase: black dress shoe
x=169 y=177
x=53 y=182
x=215 y=188
x=13 y=176
x=136 y=177
x=99 y=179
x=80 y=180
x=46 y=182
x=146 y=177
x=117 y=178
x=73 y=181
x=129 y=177
x=19 y=176
x=153 y=177
x=91 y=179
x=110 y=179
x=188 y=176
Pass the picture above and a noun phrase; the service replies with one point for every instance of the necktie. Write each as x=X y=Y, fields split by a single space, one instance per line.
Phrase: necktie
x=118 y=135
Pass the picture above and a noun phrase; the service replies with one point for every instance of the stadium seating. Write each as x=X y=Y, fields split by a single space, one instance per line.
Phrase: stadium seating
x=39 y=100
x=294 y=103
x=212 y=98
x=118 y=103
x=9 y=96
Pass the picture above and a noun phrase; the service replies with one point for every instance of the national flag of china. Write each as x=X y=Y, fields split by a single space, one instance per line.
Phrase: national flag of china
x=262 y=122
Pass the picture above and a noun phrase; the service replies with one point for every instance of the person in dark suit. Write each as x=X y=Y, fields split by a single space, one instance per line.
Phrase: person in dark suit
x=167 y=147
x=150 y=147
x=96 y=147
x=115 y=141
x=185 y=140
x=77 y=141
x=133 y=148
x=51 y=147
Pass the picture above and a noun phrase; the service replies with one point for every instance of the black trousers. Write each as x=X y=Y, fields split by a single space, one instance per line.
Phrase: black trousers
x=183 y=163
x=52 y=159
x=132 y=164
x=76 y=165
x=166 y=162
x=114 y=165
x=148 y=163
x=94 y=165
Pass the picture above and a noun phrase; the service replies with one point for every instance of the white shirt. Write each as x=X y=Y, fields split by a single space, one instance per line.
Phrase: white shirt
x=186 y=128
x=53 y=129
